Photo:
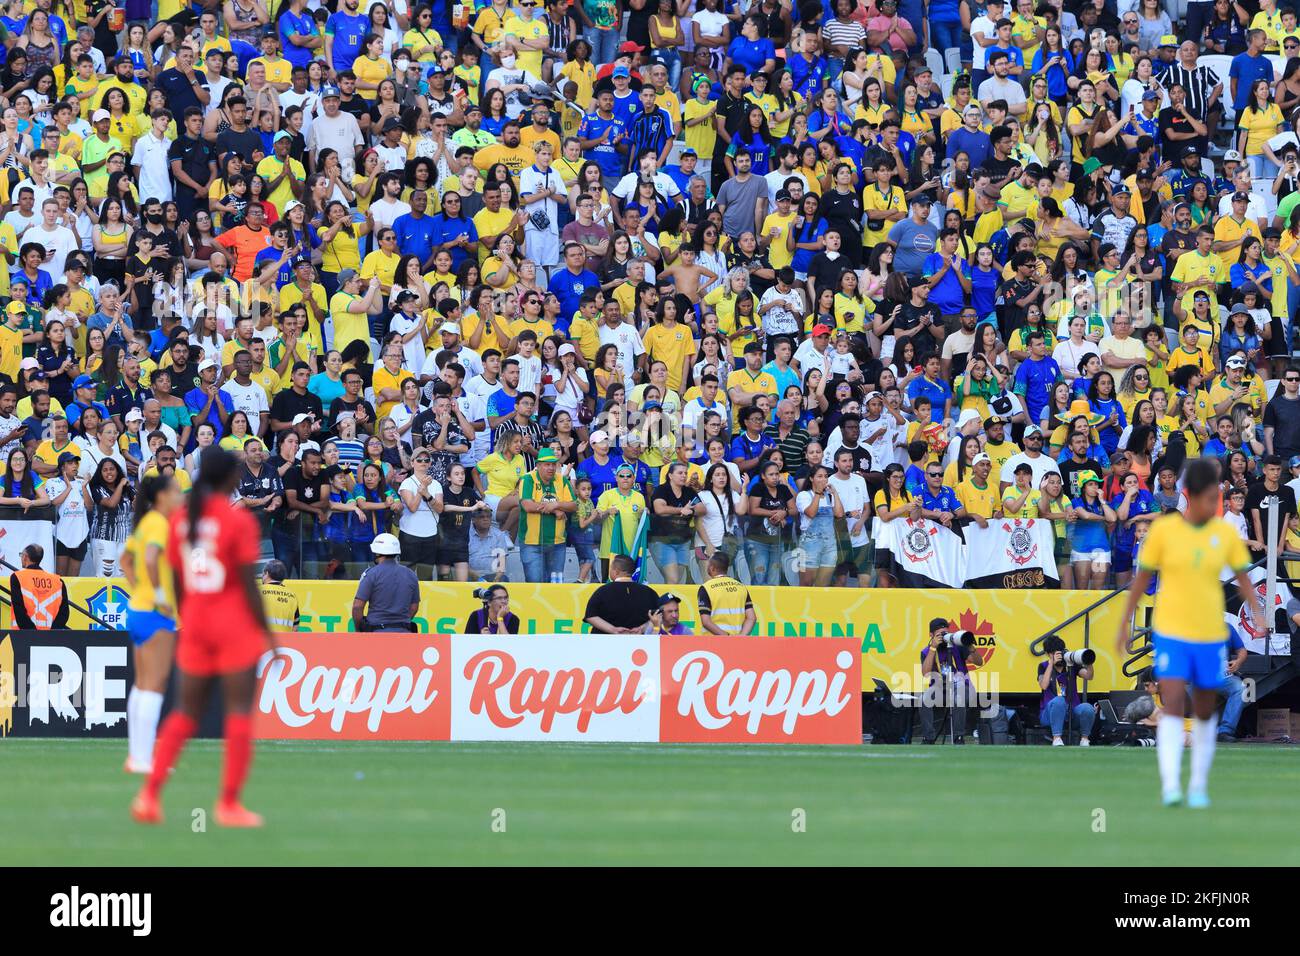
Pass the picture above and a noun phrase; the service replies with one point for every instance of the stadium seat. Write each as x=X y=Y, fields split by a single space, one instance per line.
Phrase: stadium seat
x=1221 y=64
x=934 y=61
x=945 y=85
x=1207 y=167
x=952 y=60
x=1263 y=188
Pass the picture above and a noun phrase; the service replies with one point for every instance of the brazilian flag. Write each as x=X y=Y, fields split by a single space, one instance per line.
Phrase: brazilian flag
x=618 y=542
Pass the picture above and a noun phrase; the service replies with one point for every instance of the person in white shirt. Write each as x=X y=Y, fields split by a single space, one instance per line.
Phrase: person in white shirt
x=386 y=210
x=856 y=499
x=334 y=129
x=58 y=241
x=814 y=351
x=984 y=34
x=24 y=215
x=248 y=395
x=647 y=167
x=149 y=160
x=710 y=399
x=623 y=336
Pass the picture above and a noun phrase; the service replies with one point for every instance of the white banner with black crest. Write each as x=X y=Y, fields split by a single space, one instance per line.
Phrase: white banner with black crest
x=1011 y=553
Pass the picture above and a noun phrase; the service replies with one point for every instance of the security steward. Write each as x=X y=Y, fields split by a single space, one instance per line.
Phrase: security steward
x=389 y=587
x=39 y=597
x=280 y=603
x=725 y=605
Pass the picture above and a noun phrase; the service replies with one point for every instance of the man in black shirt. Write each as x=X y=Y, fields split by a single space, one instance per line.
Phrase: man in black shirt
x=352 y=401
x=260 y=490
x=349 y=102
x=826 y=267
x=622 y=606
x=731 y=110
x=920 y=314
x=193 y=162
x=294 y=401
x=746 y=253
x=240 y=138
x=1282 y=417
x=165 y=241
x=306 y=511
x=1078 y=462
x=1258 y=501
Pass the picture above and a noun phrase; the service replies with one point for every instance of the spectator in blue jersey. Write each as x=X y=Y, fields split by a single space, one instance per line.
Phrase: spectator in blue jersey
x=277 y=258
x=1035 y=376
x=933 y=386
x=967 y=138
x=748 y=446
x=938 y=501
x=568 y=284
x=808 y=68
x=751 y=49
x=603 y=136
x=415 y=230
x=948 y=275
x=1248 y=67
x=452 y=230
x=345 y=35
x=1233 y=690
x=943 y=667
x=649 y=130
x=1059 y=682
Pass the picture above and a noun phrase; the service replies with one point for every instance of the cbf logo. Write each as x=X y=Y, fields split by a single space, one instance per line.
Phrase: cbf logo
x=109 y=605
x=1021 y=546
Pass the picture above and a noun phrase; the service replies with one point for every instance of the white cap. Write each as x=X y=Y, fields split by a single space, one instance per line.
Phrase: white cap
x=452 y=327
x=981 y=457
x=599 y=436
x=567 y=349
x=301 y=417
x=306 y=447
x=100 y=115
x=135 y=415
x=385 y=544
x=968 y=416
x=207 y=364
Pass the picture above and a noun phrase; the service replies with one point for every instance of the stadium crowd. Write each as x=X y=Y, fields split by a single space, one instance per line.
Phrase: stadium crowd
x=734 y=277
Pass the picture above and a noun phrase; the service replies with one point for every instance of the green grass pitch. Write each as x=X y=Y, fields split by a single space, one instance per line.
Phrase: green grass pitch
x=428 y=804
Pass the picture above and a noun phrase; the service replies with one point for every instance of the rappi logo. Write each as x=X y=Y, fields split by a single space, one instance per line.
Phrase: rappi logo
x=761 y=690
x=318 y=689
x=986 y=642
x=555 y=688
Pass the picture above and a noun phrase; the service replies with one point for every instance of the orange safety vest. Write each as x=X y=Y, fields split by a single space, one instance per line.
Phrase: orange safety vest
x=42 y=596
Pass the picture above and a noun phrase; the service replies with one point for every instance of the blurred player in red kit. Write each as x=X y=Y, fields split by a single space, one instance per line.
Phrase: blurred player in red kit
x=212 y=546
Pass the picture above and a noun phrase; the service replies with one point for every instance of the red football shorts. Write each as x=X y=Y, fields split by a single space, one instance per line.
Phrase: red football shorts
x=211 y=648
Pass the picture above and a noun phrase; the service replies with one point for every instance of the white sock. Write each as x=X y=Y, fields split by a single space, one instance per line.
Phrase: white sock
x=132 y=723
x=148 y=711
x=1204 y=738
x=1169 y=752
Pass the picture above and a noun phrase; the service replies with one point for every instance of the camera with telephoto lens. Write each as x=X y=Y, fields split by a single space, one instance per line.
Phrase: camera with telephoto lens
x=963 y=639
x=1083 y=658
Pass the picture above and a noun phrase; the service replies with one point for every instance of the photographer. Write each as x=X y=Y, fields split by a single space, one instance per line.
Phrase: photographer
x=943 y=665
x=495 y=616
x=1058 y=678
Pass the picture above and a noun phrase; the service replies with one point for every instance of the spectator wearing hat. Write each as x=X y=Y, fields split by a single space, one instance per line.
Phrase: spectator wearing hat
x=83 y=390
x=207 y=402
x=978 y=493
x=915 y=238
x=1234 y=388
x=1090 y=545
x=1282 y=417
x=388 y=594
x=545 y=500
x=335 y=129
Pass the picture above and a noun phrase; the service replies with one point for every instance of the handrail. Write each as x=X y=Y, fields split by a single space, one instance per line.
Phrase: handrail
x=83 y=611
x=1036 y=645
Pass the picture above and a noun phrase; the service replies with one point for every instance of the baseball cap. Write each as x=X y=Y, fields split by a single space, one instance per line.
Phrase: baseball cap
x=207 y=364
x=993 y=420
x=327 y=91
x=452 y=328
x=392 y=123
x=967 y=416
x=921 y=199
x=651 y=406
x=16 y=308
x=346 y=275
x=1120 y=190
x=621 y=70
x=599 y=436
x=625 y=470
x=981 y=457
x=302 y=417
x=669 y=598
x=1033 y=430
x=292 y=204
x=1294 y=462
x=83 y=381
x=630 y=46
x=783 y=194
x=283 y=134
x=385 y=544
x=1151 y=95
x=406 y=295
x=821 y=328
x=1238 y=309
x=100 y=116
x=567 y=349
x=135 y=415
x=1232 y=156
x=1169 y=40
x=29 y=363
x=1191 y=151
x=1240 y=197
x=68 y=456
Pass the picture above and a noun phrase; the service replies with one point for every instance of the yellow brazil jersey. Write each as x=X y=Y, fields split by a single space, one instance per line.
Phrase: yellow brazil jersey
x=1281 y=299
x=977 y=500
x=761 y=384
x=1255 y=397
x=583 y=76
x=779 y=254
x=348 y=326
x=1189 y=558
x=850 y=313
x=671 y=346
x=700 y=137
x=416 y=39
x=381 y=264
x=11 y=351
x=531 y=29
x=1078 y=115
x=530 y=136
x=874 y=200
x=270 y=168
x=725 y=600
x=501 y=475
x=371 y=71
x=618 y=531
x=152 y=530
x=489 y=223
x=1228 y=229
x=85 y=90
x=1027 y=510
x=872 y=114
x=281 y=606
x=278 y=70
x=1190 y=267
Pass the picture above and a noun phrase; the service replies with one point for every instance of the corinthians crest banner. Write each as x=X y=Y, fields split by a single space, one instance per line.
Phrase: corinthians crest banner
x=1010 y=553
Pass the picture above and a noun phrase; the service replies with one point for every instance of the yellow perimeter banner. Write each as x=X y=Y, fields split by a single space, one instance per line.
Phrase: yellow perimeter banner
x=891 y=624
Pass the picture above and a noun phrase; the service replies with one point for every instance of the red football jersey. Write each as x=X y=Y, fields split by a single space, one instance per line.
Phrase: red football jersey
x=227 y=539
